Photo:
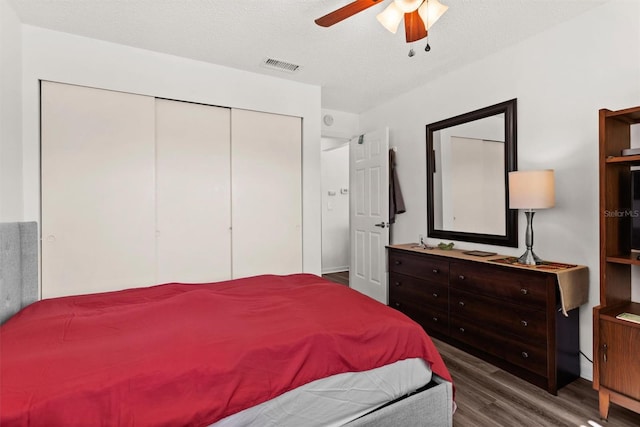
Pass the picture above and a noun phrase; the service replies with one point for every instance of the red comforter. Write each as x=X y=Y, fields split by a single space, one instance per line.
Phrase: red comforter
x=181 y=354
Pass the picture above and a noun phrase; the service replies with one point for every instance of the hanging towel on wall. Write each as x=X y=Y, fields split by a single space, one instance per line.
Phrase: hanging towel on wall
x=396 y=202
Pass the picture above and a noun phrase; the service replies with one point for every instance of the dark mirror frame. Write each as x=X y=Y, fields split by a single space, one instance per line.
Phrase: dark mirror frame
x=510 y=238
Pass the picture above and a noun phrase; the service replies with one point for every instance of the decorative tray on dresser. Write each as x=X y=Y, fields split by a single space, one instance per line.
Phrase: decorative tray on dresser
x=523 y=319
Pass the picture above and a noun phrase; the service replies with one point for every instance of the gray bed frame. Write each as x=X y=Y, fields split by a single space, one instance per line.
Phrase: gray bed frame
x=432 y=406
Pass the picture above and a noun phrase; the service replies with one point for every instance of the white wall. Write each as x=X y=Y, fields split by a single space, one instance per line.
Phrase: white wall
x=344 y=125
x=61 y=57
x=561 y=79
x=10 y=115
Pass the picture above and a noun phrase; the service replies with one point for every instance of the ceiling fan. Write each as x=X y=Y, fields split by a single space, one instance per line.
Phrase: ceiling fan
x=419 y=15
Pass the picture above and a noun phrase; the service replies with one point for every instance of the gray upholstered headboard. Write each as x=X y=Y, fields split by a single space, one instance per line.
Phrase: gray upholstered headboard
x=18 y=267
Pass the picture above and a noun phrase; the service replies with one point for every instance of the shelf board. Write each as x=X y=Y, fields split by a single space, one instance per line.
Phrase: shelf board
x=611 y=312
x=631 y=258
x=632 y=115
x=624 y=160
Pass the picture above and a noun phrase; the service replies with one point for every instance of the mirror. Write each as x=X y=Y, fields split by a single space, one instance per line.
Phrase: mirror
x=468 y=160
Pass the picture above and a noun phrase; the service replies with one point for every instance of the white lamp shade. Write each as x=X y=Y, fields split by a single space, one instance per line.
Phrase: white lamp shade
x=407 y=6
x=531 y=189
x=431 y=11
x=390 y=17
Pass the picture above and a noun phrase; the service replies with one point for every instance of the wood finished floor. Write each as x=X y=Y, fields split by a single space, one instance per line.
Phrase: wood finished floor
x=490 y=397
x=341 y=277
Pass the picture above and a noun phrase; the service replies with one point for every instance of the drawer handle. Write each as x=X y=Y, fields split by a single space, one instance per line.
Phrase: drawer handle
x=435 y=319
x=524 y=323
x=524 y=291
x=435 y=271
x=462 y=330
x=397 y=283
x=397 y=262
x=461 y=277
x=525 y=355
x=461 y=303
x=397 y=304
x=435 y=295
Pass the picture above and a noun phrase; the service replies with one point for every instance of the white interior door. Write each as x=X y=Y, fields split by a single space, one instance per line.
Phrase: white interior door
x=193 y=182
x=266 y=179
x=369 y=213
x=98 y=202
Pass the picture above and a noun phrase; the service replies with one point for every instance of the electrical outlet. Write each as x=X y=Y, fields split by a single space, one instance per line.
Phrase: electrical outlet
x=421 y=239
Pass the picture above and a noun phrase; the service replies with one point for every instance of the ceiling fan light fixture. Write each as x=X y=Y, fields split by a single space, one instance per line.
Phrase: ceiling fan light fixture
x=407 y=6
x=431 y=11
x=390 y=17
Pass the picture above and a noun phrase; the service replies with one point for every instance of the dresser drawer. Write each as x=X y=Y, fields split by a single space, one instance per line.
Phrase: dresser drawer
x=516 y=286
x=526 y=323
x=526 y=355
x=431 y=319
x=407 y=288
x=421 y=266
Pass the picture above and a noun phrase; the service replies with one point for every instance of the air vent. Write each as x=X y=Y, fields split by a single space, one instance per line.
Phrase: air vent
x=280 y=65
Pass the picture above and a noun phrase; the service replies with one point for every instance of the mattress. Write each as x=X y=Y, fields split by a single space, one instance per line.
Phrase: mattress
x=336 y=400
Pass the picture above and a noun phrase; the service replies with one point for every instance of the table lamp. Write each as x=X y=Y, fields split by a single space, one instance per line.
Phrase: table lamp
x=531 y=190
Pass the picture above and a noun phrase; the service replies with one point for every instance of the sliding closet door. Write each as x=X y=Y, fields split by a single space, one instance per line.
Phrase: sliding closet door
x=97 y=189
x=193 y=192
x=266 y=193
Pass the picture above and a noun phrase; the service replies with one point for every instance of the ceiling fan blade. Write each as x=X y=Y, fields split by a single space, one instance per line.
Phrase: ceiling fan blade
x=414 y=27
x=345 y=12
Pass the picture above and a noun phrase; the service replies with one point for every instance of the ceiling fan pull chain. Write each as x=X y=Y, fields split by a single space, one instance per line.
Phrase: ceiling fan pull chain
x=427 y=48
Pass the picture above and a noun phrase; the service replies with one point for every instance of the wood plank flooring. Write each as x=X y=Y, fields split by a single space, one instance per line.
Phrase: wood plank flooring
x=341 y=277
x=490 y=397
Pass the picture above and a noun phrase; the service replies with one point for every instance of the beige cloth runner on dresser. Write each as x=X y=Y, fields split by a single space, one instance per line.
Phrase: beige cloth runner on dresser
x=573 y=280
x=574 y=287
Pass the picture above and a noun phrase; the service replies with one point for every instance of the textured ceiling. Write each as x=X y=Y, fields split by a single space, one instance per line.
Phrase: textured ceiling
x=357 y=62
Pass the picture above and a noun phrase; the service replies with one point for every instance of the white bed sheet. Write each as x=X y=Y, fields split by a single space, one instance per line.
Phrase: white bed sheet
x=336 y=400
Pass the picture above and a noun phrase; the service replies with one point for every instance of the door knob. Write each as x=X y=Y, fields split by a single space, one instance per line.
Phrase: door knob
x=381 y=225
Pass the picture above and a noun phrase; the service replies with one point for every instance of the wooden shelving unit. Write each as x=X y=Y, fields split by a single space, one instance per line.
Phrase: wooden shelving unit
x=616 y=373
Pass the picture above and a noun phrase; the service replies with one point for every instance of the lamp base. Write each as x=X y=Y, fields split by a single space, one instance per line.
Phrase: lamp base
x=529 y=258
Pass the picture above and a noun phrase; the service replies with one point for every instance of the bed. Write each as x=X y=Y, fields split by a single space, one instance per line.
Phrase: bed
x=259 y=351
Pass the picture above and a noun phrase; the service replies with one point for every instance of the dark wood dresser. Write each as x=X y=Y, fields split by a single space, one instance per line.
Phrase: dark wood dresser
x=511 y=317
